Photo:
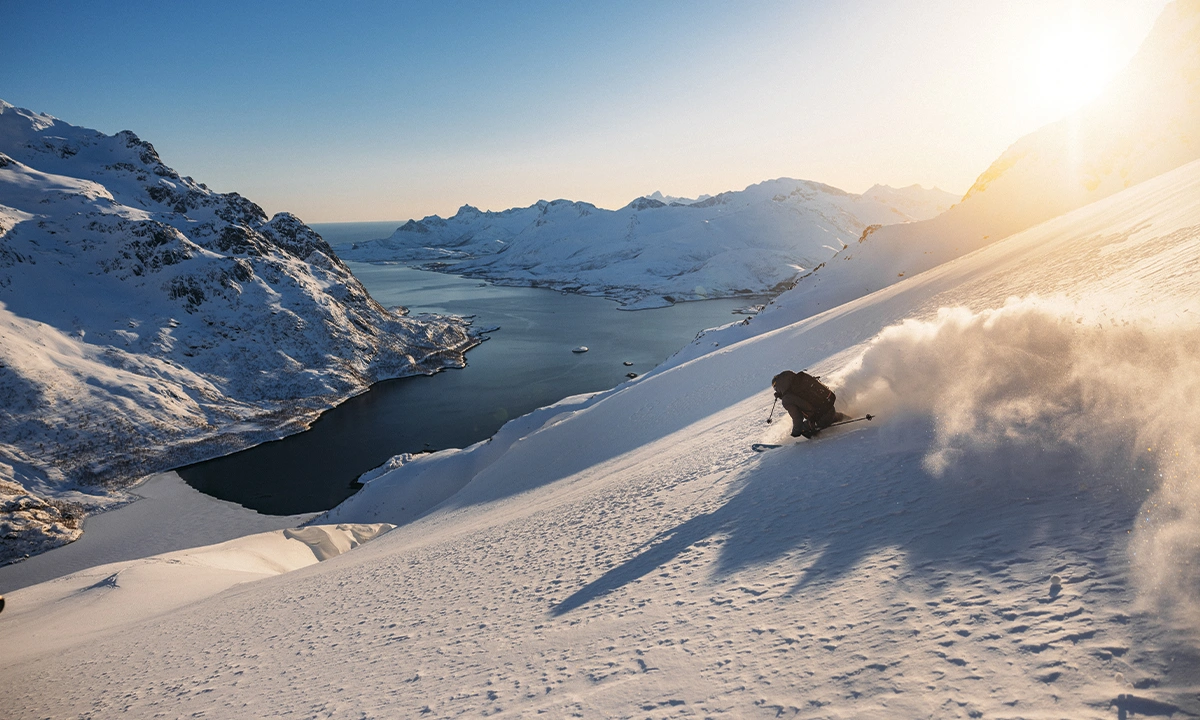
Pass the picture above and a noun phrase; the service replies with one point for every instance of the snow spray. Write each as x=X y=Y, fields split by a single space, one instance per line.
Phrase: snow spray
x=1038 y=376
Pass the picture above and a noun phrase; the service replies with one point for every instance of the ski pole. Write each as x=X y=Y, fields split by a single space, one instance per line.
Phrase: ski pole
x=772 y=411
x=847 y=422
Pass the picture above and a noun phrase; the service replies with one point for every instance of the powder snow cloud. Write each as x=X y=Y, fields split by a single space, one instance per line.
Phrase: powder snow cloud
x=1019 y=386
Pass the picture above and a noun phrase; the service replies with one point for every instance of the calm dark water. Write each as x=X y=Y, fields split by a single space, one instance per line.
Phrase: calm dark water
x=526 y=364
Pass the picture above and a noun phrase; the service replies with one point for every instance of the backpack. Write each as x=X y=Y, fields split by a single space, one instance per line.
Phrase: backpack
x=808 y=391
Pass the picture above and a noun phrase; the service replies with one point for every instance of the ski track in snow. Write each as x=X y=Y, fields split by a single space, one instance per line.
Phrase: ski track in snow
x=629 y=555
x=1013 y=537
x=695 y=584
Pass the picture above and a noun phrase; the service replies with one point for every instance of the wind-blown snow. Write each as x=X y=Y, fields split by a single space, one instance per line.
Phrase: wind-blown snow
x=651 y=252
x=1111 y=395
x=992 y=545
x=147 y=322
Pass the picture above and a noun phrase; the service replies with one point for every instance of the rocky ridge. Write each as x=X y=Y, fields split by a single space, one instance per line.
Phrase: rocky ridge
x=147 y=321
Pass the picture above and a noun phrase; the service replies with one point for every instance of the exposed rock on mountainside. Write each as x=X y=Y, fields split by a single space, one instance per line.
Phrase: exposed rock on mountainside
x=147 y=321
x=655 y=252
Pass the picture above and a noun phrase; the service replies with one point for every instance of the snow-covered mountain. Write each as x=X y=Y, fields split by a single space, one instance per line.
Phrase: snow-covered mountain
x=675 y=199
x=914 y=200
x=1145 y=123
x=147 y=321
x=1014 y=535
x=650 y=252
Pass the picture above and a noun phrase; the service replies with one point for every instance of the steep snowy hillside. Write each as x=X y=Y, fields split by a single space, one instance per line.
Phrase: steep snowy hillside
x=650 y=253
x=1013 y=536
x=147 y=321
x=1146 y=123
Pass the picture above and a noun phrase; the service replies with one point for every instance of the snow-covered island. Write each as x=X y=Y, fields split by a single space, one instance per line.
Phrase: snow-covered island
x=147 y=321
x=653 y=252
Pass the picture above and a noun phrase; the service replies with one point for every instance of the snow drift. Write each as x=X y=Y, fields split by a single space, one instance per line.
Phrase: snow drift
x=105 y=598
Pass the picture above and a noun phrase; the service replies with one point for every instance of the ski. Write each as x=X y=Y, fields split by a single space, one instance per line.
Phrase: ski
x=762 y=447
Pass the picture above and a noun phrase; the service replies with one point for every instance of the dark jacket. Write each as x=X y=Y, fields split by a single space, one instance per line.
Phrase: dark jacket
x=806 y=399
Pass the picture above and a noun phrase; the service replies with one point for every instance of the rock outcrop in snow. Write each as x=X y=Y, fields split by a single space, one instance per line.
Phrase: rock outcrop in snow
x=654 y=252
x=1015 y=535
x=1146 y=123
x=147 y=321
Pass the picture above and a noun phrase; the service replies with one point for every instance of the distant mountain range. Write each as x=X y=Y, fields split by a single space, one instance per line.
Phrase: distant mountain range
x=1146 y=123
x=653 y=252
x=147 y=321
x=672 y=199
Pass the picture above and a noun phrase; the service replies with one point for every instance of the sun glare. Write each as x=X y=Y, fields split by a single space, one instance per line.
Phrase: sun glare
x=1072 y=64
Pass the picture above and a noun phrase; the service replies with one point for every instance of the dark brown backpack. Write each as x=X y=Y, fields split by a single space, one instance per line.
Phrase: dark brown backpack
x=808 y=390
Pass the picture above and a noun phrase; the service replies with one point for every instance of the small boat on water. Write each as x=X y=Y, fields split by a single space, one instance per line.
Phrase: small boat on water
x=580 y=349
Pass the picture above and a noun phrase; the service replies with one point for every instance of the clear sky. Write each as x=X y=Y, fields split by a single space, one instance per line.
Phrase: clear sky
x=390 y=110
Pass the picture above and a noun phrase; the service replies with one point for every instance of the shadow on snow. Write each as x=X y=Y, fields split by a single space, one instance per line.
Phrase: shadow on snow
x=828 y=505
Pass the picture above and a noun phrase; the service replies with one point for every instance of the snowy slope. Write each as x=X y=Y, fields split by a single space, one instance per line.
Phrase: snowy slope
x=1013 y=536
x=147 y=321
x=112 y=595
x=653 y=253
x=1146 y=123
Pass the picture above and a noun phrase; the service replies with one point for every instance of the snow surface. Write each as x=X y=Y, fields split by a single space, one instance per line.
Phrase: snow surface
x=168 y=515
x=652 y=253
x=104 y=599
x=147 y=322
x=1015 y=534
x=1145 y=123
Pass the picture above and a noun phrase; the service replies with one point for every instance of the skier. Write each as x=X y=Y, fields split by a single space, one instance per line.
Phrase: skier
x=808 y=401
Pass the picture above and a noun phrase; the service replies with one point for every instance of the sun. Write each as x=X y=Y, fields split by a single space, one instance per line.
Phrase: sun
x=1071 y=65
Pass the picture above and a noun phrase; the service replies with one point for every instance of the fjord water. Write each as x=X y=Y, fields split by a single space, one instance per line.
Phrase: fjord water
x=525 y=364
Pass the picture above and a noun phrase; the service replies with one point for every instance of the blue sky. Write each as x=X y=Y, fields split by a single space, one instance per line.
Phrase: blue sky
x=395 y=110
